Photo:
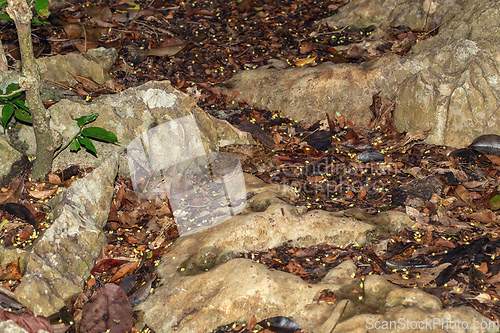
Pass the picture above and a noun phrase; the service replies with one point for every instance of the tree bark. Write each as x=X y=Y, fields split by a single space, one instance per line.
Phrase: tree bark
x=21 y=13
x=3 y=59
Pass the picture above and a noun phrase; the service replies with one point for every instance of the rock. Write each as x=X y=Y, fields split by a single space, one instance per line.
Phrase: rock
x=418 y=191
x=11 y=327
x=13 y=163
x=362 y=14
x=102 y=56
x=448 y=83
x=385 y=14
x=384 y=306
x=204 y=286
x=61 y=259
x=309 y=93
x=93 y=64
x=129 y=115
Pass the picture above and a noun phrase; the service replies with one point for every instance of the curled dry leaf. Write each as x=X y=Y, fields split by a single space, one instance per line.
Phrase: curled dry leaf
x=166 y=51
x=13 y=193
x=303 y=62
x=42 y=194
x=54 y=179
x=124 y=270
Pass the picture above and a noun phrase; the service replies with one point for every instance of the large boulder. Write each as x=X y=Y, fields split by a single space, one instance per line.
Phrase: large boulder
x=60 y=260
x=129 y=115
x=448 y=83
x=205 y=286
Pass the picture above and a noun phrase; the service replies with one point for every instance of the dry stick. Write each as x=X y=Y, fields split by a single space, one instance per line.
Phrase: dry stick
x=431 y=31
x=84 y=36
x=324 y=34
x=13 y=93
x=343 y=310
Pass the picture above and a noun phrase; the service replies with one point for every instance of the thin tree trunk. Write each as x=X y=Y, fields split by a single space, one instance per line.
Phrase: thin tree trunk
x=20 y=12
x=3 y=59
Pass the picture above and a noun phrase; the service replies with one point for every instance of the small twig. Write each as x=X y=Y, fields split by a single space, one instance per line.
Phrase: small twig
x=13 y=93
x=341 y=314
x=431 y=31
x=323 y=34
x=84 y=37
x=67 y=144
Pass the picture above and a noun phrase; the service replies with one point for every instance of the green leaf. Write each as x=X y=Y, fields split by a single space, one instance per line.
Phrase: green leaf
x=41 y=7
x=86 y=119
x=99 y=133
x=74 y=145
x=37 y=21
x=87 y=144
x=11 y=87
x=7 y=112
x=5 y=17
x=21 y=104
x=495 y=202
x=23 y=116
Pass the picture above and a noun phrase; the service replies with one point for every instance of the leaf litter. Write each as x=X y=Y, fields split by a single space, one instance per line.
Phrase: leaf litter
x=333 y=163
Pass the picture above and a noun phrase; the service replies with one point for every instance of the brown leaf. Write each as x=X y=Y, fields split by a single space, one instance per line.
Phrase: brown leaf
x=13 y=193
x=100 y=15
x=124 y=270
x=483 y=217
x=28 y=321
x=277 y=138
x=494 y=159
x=251 y=324
x=200 y=12
x=108 y=310
x=494 y=279
x=73 y=30
x=483 y=268
x=462 y=193
x=88 y=83
x=166 y=51
x=444 y=242
x=54 y=179
x=307 y=47
x=423 y=278
x=42 y=194
x=362 y=193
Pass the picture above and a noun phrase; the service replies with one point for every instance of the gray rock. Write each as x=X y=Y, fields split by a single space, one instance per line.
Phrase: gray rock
x=380 y=305
x=61 y=259
x=457 y=94
x=61 y=68
x=102 y=56
x=129 y=114
x=449 y=83
x=362 y=14
x=9 y=326
x=13 y=162
x=203 y=286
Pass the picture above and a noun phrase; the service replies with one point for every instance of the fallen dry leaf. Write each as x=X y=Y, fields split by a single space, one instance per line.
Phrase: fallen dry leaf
x=13 y=193
x=42 y=194
x=124 y=270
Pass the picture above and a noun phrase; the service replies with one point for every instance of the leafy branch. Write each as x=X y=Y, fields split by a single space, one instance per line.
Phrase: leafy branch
x=84 y=136
x=41 y=7
x=14 y=105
